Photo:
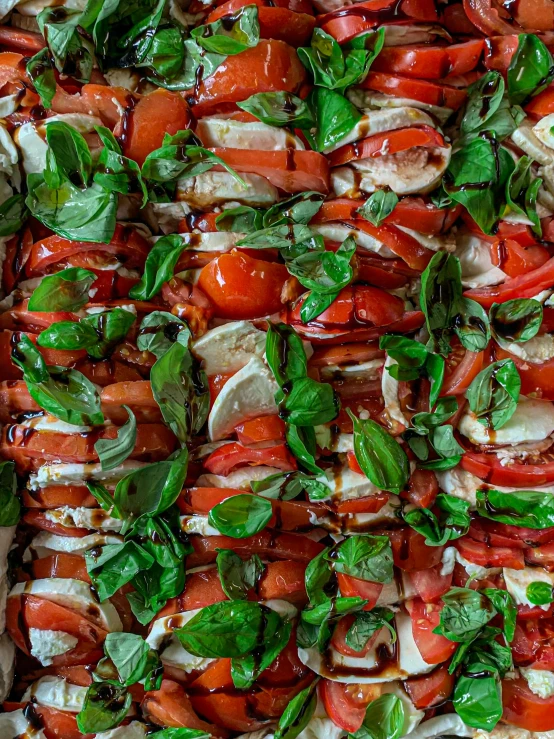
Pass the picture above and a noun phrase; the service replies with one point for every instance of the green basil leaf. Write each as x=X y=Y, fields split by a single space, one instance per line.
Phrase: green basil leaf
x=159 y=266
x=279 y=109
x=477 y=697
x=505 y=605
x=381 y=458
x=67 y=157
x=111 y=327
x=104 y=497
x=238 y=576
x=274 y=638
x=516 y=320
x=472 y=326
x=241 y=516
x=494 y=393
x=10 y=507
x=73 y=54
x=299 y=209
x=325 y=272
x=67 y=335
x=67 y=290
x=285 y=353
x=365 y=557
x=181 y=734
x=112 y=452
x=242 y=219
x=298 y=713
x=445 y=444
x=334 y=115
x=13 y=214
x=384 y=719
x=115 y=172
x=318 y=578
x=314 y=304
x=378 y=206
x=531 y=68
x=158 y=332
x=115 y=565
x=289 y=485
x=441 y=295
x=365 y=624
x=180 y=388
x=301 y=441
x=41 y=73
x=166 y=54
x=131 y=656
x=452 y=521
x=484 y=99
x=464 y=614
x=105 y=707
x=231 y=34
x=527 y=508
x=226 y=629
x=292 y=240
x=423 y=422
x=539 y=593
x=309 y=403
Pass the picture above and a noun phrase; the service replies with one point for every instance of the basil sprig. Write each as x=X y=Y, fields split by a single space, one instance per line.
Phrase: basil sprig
x=539 y=593
x=158 y=332
x=378 y=206
x=430 y=431
x=516 y=320
x=363 y=556
x=380 y=456
x=298 y=713
x=279 y=109
x=494 y=393
x=238 y=576
x=298 y=209
x=159 y=266
x=289 y=485
x=67 y=290
x=451 y=521
x=98 y=333
x=384 y=719
x=364 y=626
x=531 y=68
x=527 y=508
x=41 y=73
x=489 y=109
x=10 y=506
x=105 y=707
x=522 y=191
x=113 y=452
x=13 y=214
x=63 y=392
x=414 y=360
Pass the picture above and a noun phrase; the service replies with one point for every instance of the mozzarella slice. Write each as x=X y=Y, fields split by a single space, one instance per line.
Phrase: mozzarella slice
x=15 y=725
x=198 y=525
x=248 y=394
x=532 y=421
x=462 y=484
x=8 y=152
x=517 y=582
x=46 y=644
x=67 y=474
x=45 y=544
x=537 y=350
x=7 y=661
x=166 y=217
x=87 y=518
x=74 y=594
x=217 y=188
x=51 y=423
x=389 y=389
x=338 y=232
x=55 y=692
x=215 y=131
x=228 y=348
x=411 y=662
x=449 y=724
x=367 y=100
x=134 y=730
x=541 y=682
x=475 y=260
x=172 y=653
x=526 y=138
x=238 y=479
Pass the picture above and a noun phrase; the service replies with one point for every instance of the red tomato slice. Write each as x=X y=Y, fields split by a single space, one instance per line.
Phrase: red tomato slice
x=429 y=62
x=230 y=710
x=358 y=304
x=201 y=589
x=17 y=38
x=524 y=709
x=430 y=690
x=389 y=142
x=349 y=22
x=270 y=66
x=40 y=520
x=405 y=246
x=542 y=104
x=56 y=565
x=59 y=724
x=223 y=280
x=171 y=706
x=352 y=587
x=422 y=489
x=275 y=22
x=231 y=456
x=267 y=544
x=462 y=367
x=339 y=707
x=410 y=552
x=284 y=580
x=542 y=556
x=367 y=504
x=524 y=286
x=517 y=475
x=516 y=260
x=429 y=584
x=499 y=51
x=420 y=90
x=338 y=640
x=433 y=648
x=217 y=676
x=263 y=428
x=480 y=554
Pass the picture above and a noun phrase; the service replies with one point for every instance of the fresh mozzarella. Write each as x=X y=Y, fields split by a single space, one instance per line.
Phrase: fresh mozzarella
x=364 y=370
x=433 y=243
x=214 y=188
x=8 y=152
x=475 y=260
x=134 y=730
x=123 y=78
x=338 y=232
x=462 y=484
x=401 y=34
x=225 y=132
x=166 y=217
x=31 y=138
x=532 y=421
x=249 y=393
x=55 y=692
x=8 y=103
x=51 y=423
x=389 y=594
x=238 y=479
x=367 y=100
x=389 y=389
x=382 y=120
x=526 y=138
x=537 y=350
x=345 y=484
x=451 y=555
x=198 y=525
x=15 y=725
x=448 y=561
x=74 y=594
x=86 y=518
x=34 y=7
x=68 y=474
x=45 y=544
x=517 y=582
x=172 y=653
x=46 y=644
x=7 y=660
x=540 y=682
x=229 y=347
x=449 y=724
x=411 y=662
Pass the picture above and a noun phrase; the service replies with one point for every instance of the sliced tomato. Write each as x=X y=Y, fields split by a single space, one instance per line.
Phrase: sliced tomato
x=359 y=304
x=524 y=709
x=462 y=367
x=217 y=676
x=429 y=93
x=171 y=706
x=352 y=587
x=21 y=40
x=539 y=471
x=286 y=669
x=516 y=260
x=263 y=428
x=271 y=66
x=479 y=553
x=283 y=580
x=201 y=589
x=410 y=552
x=58 y=724
x=231 y=456
x=524 y=286
x=425 y=617
x=429 y=62
x=41 y=520
x=499 y=51
x=430 y=690
x=542 y=104
x=230 y=710
x=429 y=584
x=405 y=246
x=423 y=488
x=338 y=640
x=339 y=707
x=367 y=504
x=542 y=556
x=55 y=565
x=223 y=280
x=267 y=544
x=389 y=142
x=275 y=22
x=411 y=321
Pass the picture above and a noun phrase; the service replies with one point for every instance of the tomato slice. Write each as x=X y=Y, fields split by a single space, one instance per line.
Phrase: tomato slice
x=425 y=617
x=56 y=565
x=429 y=62
x=410 y=552
x=430 y=690
x=429 y=584
x=542 y=104
x=230 y=710
x=339 y=707
x=462 y=367
x=430 y=93
x=358 y=304
x=231 y=456
x=268 y=545
x=275 y=22
x=284 y=580
x=263 y=428
x=537 y=380
x=171 y=706
x=352 y=587
x=516 y=260
x=524 y=286
x=423 y=488
x=524 y=709
x=338 y=640
x=539 y=471
x=389 y=142
x=480 y=554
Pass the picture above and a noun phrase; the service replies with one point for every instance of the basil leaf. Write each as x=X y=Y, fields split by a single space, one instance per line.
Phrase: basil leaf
x=516 y=320
x=158 y=332
x=521 y=193
x=527 y=508
x=238 y=576
x=298 y=713
x=381 y=458
x=488 y=109
x=10 y=507
x=159 y=266
x=452 y=521
x=384 y=719
x=365 y=557
x=531 y=68
x=314 y=304
x=378 y=206
x=73 y=54
x=104 y=497
x=539 y=593
x=67 y=335
x=115 y=172
x=299 y=208
x=464 y=614
x=334 y=118
x=279 y=109
x=166 y=55
x=325 y=272
x=41 y=73
x=67 y=157
x=477 y=697
x=67 y=290
x=309 y=403
x=131 y=656
x=494 y=393
x=105 y=707
x=180 y=388
x=13 y=214
x=112 y=452
x=301 y=441
x=318 y=578
x=111 y=327
x=366 y=623
x=226 y=629
x=505 y=605
x=181 y=734
x=289 y=485
x=285 y=353
x=413 y=361
x=472 y=326
x=274 y=638
x=231 y=34
x=292 y=240
x=242 y=219
x=115 y=565
x=241 y=516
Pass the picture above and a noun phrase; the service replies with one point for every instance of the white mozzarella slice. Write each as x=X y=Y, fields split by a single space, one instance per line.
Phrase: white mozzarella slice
x=368 y=100
x=517 y=582
x=248 y=394
x=46 y=644
x=356 y=523
x=389 y=594
x=238 y=479
x=411 y=662
x=382 y=120
x=14 y=724
x=389 y=389
x=525 y=137
x=229 y=347
x=74 y=594
x=462 y=484
x=537 y=350
x=55 y=692
x=166 y=217
x=86 y=518
x=51 y=423
x=172 y=653
x=134 y=730
x=67 y=474
x=338 y=232
x=215 y=188
x=345 y=484
x=7 y=661
x=364 y=370
x=475 y=260
x=31 y=138
x=45 y=544
x=405 y=33
x=449 y=724
x=8 y=103
x=126 y=78
x=540 y=682
x=34 y=7
x=445 y=242
x=225 y=132
x=532 y=421
x=8 y=152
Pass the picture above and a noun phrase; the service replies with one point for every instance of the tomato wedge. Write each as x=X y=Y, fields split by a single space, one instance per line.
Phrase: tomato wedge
x=171 y=706
x=430 y=690
x=524 y=709
x=537 y=380
x=539 y=471
x=352 y=587
x=339 y=707
x=433 y=648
